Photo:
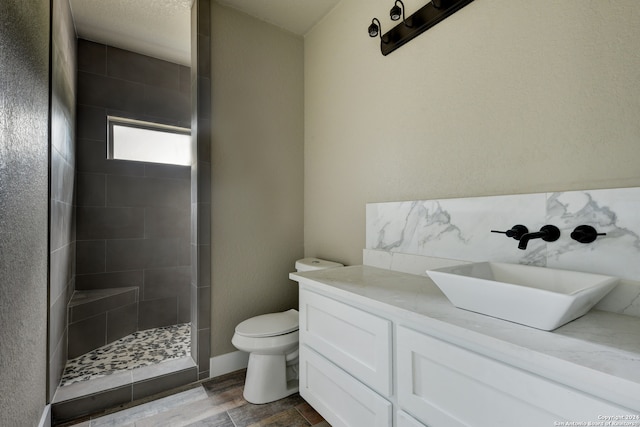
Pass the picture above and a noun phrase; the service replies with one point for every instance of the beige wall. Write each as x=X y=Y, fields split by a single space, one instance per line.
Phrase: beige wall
x=257 y=170
x=503 y=97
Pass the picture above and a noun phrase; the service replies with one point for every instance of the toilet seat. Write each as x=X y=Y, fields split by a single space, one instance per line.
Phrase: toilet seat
x=269 y=325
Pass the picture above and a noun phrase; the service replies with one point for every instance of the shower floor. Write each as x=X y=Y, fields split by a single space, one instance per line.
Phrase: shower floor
x=142 y=348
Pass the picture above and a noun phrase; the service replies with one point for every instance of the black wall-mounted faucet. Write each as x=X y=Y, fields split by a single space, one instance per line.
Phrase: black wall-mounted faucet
x=516 y=232
x=548 y=233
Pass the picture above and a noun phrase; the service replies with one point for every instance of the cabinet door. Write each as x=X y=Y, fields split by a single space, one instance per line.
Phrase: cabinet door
x=444 y=385
x=406 y=420
x=357 y=341
x=338 y=397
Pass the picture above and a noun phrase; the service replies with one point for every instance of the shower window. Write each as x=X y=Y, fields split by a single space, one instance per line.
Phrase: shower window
x=141 y=141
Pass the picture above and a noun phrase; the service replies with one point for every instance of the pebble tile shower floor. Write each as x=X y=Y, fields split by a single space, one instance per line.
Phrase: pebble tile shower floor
x=142 y=348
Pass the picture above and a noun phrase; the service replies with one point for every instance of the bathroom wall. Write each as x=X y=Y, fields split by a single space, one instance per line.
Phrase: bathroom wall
x=501 y=98
x=133 y=218
x=256 y=170
x=460 y=229
x=63 y=153
x=24 y=164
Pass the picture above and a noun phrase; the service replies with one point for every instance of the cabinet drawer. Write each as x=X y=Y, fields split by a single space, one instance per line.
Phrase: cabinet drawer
x=338 y=397
x=357 y=341
x=445 y=385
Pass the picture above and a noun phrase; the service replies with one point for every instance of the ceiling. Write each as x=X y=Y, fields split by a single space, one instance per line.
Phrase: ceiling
x=161 y=28
x=296 y=16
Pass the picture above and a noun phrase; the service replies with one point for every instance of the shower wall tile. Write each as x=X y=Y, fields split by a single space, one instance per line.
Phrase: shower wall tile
x=203 y=175
x=204 y=344
x=122 y=321
x=62 y=224
x=92 y=123
x=126 y=191
x=201 y=272
x=62 y=270
x=147 y=191
x=91 y=189
x=92 y=158
x=162 y=252
x=204 y=139
x=130 y=66
x=184 y=306
x=58 y=323
x=166 y=282
x=109 y=223
x=204 y=211
x=439 y=232
x=86 y=335
x=99 y=90
x=81 y=311
x=167 y=192
x=158 y=313
x=62 y=178
x=161 y=102
x=125 y=254
x=167 y=222
x=204 y=305
x=92 y=57
x=118 y=279
x=159 y=170
x=90 y=256
x=62 y=187
x=57 y=360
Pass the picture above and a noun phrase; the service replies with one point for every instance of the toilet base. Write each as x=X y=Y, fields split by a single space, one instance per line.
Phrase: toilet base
x=267 y=378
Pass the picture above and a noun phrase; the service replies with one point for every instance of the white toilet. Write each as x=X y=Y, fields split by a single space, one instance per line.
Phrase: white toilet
x=272 y=343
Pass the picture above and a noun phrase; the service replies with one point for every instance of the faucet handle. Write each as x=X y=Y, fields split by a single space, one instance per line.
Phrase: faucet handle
x=516 y=232
x=585 y=234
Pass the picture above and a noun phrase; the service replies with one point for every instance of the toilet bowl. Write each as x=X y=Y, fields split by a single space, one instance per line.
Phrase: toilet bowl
x=272 y=343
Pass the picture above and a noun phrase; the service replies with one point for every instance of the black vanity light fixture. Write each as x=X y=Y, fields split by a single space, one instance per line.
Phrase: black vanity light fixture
x=416 y=24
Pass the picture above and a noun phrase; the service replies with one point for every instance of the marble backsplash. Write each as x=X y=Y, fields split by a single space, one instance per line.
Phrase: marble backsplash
x=408 y=236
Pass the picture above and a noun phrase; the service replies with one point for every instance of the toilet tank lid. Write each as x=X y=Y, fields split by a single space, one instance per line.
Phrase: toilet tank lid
x=310 y=264
x=269 y=325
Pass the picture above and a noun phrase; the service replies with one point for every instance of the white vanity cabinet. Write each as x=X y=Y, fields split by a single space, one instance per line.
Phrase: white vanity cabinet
x=371 y=356
x=345 y=362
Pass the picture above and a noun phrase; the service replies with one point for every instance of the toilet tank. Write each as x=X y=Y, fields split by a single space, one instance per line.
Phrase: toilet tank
x=311 y=264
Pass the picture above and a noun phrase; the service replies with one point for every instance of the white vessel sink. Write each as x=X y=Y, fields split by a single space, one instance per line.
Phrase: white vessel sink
x=539 y=297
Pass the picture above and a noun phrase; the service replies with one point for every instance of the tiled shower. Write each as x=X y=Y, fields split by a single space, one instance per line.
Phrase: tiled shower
x=132 y=218
x=142 y=230
x=127 y=264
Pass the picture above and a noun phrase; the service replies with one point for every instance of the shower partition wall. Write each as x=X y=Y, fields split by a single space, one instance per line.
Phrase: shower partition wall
x=201 y=185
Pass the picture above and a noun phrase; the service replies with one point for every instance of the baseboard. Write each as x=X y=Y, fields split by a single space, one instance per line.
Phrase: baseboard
x=45 y=419
x=226 y=363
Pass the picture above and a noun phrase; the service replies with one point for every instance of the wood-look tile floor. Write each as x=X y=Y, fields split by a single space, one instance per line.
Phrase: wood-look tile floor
x=215 y=403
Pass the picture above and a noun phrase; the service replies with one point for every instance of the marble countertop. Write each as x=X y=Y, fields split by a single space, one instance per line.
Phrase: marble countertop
x=598 y=353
